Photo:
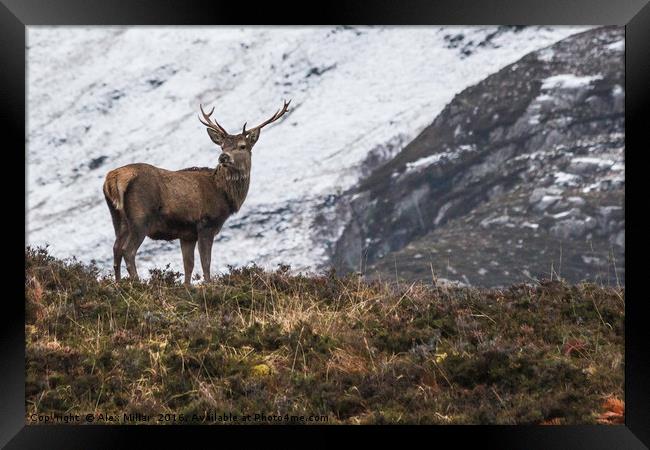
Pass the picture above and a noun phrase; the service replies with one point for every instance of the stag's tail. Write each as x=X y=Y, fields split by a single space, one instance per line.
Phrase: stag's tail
x=115 y=186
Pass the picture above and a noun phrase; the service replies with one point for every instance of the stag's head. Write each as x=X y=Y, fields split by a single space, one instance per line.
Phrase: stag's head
x=236 y=148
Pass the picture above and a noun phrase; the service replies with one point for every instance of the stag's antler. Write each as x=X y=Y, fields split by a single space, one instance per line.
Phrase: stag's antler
x=208 y=123
x=279 y=113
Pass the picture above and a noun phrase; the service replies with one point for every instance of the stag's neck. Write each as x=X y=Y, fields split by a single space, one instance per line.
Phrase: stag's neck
x=234 y=183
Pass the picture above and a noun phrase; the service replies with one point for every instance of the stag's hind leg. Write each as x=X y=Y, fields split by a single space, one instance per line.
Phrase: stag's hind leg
x=120 y=237
x=133 y=241
x=121 y=232
x=187 y=248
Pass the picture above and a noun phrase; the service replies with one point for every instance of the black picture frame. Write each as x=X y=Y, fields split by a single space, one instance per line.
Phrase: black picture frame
x=16 y=15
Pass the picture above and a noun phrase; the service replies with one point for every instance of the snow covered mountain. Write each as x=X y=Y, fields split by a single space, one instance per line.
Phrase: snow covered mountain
x=520 y=177
x=103 y=97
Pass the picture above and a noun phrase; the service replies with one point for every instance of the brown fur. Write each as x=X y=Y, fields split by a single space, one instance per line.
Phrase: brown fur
x=190 y=204
x=116 y=184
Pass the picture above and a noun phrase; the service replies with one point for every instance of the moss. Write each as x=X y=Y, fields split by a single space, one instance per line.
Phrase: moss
x=260 y=370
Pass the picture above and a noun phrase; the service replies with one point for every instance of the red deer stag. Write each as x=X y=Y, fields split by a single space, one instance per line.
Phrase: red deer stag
x=189 y=204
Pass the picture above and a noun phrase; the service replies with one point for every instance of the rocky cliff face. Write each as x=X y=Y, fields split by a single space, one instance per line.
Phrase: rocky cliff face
x=520 y=176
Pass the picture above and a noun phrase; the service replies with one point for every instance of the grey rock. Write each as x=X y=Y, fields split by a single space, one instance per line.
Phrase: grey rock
x=573 y=228
x=474 y=204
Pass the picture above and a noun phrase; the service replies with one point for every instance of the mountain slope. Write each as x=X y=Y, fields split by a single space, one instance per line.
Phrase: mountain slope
x=99 y=98
x=520 y=176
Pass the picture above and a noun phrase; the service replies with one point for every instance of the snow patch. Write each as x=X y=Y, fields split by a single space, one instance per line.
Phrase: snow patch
x=428 y=161
x=438 y=157
x=534 y=120
x=546 y=54
x=568 y=81
x=501 y=220
x=617 y=46
x=592 y=161
x=563 y=214
x=566 y=179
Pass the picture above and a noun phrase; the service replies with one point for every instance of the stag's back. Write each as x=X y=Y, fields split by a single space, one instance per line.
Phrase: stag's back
x=166 y=204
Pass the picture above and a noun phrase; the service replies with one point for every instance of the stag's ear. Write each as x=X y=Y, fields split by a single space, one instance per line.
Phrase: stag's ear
x=216 y=137
x=253 y=136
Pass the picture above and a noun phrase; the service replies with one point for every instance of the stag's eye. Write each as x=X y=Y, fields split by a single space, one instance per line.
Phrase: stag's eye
x=242 y=147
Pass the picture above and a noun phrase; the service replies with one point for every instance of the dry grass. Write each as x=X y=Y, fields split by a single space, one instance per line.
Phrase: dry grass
x=256 y=342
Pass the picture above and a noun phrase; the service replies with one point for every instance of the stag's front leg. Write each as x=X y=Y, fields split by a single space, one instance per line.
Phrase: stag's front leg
x=206 y=238
x=187 y=248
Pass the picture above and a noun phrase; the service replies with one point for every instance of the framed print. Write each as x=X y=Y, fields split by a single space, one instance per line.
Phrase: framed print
x=406 y=219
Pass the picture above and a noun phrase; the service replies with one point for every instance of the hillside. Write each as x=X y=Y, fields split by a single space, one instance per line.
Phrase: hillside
x=339 y=349
x=103 y=97
x=521 y=176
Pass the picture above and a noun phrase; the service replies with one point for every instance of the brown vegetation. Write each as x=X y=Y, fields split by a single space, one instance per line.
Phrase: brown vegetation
x=273 y=343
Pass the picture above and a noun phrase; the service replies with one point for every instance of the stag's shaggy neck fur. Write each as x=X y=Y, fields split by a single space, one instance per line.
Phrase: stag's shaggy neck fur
x=235 y=182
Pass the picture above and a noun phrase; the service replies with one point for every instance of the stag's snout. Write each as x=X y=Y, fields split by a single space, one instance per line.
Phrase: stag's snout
x=225 y=158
